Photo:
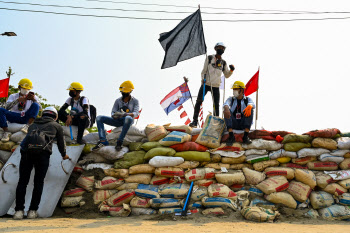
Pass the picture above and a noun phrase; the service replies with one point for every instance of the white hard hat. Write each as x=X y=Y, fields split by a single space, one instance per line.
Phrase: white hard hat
x=220 y=44
x=51 y=110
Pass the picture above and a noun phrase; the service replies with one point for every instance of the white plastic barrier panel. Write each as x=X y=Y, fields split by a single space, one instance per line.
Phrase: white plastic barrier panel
x=56 y=179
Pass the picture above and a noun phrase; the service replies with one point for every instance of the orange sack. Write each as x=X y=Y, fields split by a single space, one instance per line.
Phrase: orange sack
x=189 y=146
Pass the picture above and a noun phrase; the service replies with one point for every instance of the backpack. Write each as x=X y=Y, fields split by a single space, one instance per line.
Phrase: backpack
x=37 y=141
x=245 y=100
x=210 y=57
x=92 y=108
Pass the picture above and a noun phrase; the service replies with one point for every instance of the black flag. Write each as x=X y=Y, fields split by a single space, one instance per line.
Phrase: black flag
x=185 y=41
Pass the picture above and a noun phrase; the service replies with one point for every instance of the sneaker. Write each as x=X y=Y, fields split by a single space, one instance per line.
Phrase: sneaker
x=25 y=128
x=32 y=214
x=230 y=140
x=193 y=124
x=6 y=137
x=100 y=145
x=119 y=145
x=81 y=141
x=246 y=140
x=18 y=215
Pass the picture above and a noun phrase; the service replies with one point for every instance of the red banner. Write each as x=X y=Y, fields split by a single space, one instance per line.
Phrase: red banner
x=4 y=87
x=253 y=84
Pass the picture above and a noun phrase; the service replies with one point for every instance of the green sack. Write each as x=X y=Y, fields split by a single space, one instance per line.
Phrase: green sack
x=296 y=146
x=7 y=146
x=135 y=146
x=296 y=138
x=88 y=148
x=150 y=145
x=160 y=151
x=130 y=159
x=194 y=156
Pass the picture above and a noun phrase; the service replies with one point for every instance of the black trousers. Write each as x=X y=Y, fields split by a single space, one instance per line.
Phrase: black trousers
x=216 y=95
x=40 y=164
x=77 y=121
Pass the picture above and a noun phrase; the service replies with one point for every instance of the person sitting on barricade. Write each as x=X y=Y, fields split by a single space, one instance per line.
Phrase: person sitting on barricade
x=238 y=113
x=125 y=109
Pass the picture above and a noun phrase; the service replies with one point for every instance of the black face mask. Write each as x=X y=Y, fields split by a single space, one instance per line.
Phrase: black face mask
x=72 y=94
x=219 y=52
x=125 y=95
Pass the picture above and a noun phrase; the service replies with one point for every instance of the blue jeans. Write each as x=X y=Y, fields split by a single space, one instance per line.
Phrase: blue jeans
x=244 y=123
x=126 y=122
x=14 y=117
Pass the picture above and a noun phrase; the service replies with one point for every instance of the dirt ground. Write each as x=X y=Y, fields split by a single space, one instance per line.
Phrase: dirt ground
x=152 y=224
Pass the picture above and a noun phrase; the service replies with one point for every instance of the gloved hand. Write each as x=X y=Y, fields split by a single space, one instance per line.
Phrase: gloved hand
x=120 y=114
x=232 y=68
x=248 y=111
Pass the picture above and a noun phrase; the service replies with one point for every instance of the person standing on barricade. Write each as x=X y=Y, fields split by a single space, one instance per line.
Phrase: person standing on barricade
x=213 y=68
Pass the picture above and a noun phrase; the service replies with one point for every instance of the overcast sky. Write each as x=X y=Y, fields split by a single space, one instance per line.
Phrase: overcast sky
x=304 y=75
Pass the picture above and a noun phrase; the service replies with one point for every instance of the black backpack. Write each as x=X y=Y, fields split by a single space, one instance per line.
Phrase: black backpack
x=92 y=108
x=245 y=100
x=37 y=141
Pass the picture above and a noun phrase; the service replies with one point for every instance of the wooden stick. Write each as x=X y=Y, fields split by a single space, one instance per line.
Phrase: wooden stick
x=257 y=99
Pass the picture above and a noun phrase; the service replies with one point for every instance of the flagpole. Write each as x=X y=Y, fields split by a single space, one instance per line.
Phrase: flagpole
x=186 y=81
x=9 y=74
x=223 y=99
x=257 y=99
x=138 y=117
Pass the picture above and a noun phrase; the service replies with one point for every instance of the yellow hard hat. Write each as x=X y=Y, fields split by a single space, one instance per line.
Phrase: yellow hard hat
x=26 y=84
x=126 y=87
x=75 y=86
x=238 y=84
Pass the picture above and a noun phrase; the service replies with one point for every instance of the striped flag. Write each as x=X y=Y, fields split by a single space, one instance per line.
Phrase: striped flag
x=183 y=114
x=136 y=118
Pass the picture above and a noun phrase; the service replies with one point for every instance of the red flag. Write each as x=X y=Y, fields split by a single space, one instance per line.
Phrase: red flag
x=253 y=85
x=183 y=114
x=138 y=115
x=188 y=121
x=179 y=108
x=4 y=87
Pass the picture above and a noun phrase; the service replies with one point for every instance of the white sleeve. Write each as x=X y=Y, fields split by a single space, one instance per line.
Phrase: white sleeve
x=11 y=98
x=86 y=101
x=68 y=101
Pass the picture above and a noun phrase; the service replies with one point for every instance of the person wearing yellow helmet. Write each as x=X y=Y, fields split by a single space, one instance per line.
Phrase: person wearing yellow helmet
x=80 y=110
x=21 y=107
x=214 y=67
x=238 y=113
x=124 y=110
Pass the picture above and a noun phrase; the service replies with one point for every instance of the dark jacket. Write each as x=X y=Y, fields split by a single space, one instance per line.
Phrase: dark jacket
x=52 y=130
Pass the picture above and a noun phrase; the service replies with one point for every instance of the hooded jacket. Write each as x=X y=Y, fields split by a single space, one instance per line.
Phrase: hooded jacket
x=52 y=130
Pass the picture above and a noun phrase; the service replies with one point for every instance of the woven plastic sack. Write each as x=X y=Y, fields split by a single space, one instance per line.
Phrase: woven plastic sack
x=210 y=135
x=325 y=143
x=174 y=138
x=258 y=214
x=130 y=159
x=325 y=133
x=296 y=138
x=155 y=133
x=189 y=146
x=159 y=151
